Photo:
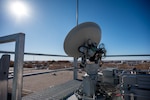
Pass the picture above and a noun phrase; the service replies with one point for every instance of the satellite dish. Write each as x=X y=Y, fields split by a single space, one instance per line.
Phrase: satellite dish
x=79 y=35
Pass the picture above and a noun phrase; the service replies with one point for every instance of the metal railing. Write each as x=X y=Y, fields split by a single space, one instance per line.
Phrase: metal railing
x=42 y=54
x=19 y=40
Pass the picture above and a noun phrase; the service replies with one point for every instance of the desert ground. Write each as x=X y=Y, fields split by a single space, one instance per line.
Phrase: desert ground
x=42 y=81
x=39 y=82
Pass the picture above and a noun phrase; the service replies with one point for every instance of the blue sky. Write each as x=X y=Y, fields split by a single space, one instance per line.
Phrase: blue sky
x=125 y=24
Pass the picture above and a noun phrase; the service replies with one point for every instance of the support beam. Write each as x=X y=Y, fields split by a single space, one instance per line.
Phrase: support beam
x=75 y=71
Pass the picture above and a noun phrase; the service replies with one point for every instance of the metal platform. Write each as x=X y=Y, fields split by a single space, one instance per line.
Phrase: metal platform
x=59 y=92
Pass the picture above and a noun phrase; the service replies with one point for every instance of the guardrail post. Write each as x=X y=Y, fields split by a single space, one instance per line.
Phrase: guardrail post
x=4 y=66
x=18 y=65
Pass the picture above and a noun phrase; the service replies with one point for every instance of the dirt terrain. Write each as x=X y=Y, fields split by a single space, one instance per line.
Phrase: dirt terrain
x=42 y=81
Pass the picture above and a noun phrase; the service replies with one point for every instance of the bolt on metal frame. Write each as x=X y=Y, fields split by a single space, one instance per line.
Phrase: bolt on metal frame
x=19 y=40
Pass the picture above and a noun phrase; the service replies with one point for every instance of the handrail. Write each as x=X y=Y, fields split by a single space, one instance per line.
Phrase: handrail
x=19 y=40
x=42 y=54
x=131 y=55
x=39 y=54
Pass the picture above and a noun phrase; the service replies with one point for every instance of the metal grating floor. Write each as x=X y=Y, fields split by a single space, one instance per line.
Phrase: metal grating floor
x=58 y=92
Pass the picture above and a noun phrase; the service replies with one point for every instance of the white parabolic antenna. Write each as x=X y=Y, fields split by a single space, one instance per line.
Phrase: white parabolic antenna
x=79 y=35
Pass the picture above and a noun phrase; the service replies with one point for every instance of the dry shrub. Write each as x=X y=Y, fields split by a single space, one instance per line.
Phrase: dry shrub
x=144 y=66
x=109 y=65
x=28 y=65
x=114 y=65
x=124 y=66
x=11 y=63
x=60 y=64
